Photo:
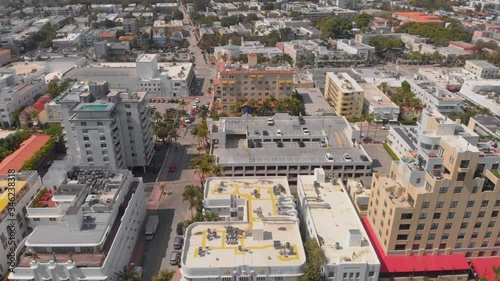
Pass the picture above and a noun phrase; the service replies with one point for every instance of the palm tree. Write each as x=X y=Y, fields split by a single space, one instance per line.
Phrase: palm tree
x=182 y=103
x=368 y=118
x=202 y=132
x=234 y=108
x=203 y=166
x=384 y=86
x=173 y=135
x=211 y=217
x=128 y=274
x=203 y=112
x=217 y=171
x=193 y=195
x=164 y=275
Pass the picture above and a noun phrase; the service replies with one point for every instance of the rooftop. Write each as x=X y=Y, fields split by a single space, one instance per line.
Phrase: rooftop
x=314 y=100
x=482 y=92
x=146 y=58
x=256 y=69
x=345 y=82
x=94 y=191
x=483 y=64
x=333 y=129
x=258 y=244
x=268 y=234
x=26 y=68
x=4 y=195
x=26 y=150
x=343 y=238
x=94 y=107
x=375 y=96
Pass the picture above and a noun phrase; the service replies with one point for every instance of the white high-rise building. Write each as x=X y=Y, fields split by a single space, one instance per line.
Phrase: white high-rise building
x=13 y=226
x=84 y=230
x=107 y=128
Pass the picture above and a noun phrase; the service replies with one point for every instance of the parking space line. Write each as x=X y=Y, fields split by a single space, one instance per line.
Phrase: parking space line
x=339 y=139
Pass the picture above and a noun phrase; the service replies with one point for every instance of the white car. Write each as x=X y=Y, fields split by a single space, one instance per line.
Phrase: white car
x=306 y=131
x=270 y=121
x=197 y=100
x=279 y=133
x=329 y=157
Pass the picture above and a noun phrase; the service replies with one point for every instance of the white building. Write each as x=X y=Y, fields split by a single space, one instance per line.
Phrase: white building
x=482 y=69
x=84 y=230
x=67 y=40
x=146 y=74
x=327 y=215
x=378 y=104
x=258 y=237
x=403 y=140
x=232 y=139
x=107 y=128
x=16 y=96
x=355 y=48
x=435 y=97
x=28 y=183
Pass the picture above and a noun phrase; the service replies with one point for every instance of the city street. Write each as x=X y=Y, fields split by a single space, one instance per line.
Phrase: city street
x=373 y=131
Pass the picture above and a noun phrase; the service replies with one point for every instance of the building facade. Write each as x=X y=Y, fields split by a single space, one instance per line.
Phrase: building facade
x=378 y=104
x=85 y=229
x=482 y=69
x=113 y=129
x=444 y=201
x=344 y=94
x=28 y=183
x=237 y=83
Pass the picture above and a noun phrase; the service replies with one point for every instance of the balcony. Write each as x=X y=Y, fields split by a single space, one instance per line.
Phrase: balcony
x=80 y=259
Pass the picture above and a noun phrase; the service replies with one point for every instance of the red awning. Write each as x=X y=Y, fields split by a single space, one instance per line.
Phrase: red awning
x=484 y=266
x=410 y=264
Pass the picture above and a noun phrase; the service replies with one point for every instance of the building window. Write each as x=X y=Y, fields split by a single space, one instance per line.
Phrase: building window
x=452 y=159
x=474 y=235
x=99 y=123
x=461 y=177
x=436 y=216
x=428 y=247
x=104 y=145
x=481 y=214
x=425 y=204
x=440 y=204
x=434 y=225
x=467 y=215
x=90 y=159
x=420 y=226
x=422 y=216
x=127 y=106
x=83 y=124
x=102 y=138
x=454 y=204
x=406 y=216
x=128 y=114
x=477 y=225
x=432 y=236
x=445 y=236
x=464 y=225
x=52 y=219
x=400 y=247
x=447 y=225
x=470 y=204
x=443 y=189
x=484 y=203
x=36 y=219
x=491 y=224
x=494 y=214
x=418 y=236
x=85 y=138
x=457 y=189
x=87 y=145
x=404 y=226
x=402 y=237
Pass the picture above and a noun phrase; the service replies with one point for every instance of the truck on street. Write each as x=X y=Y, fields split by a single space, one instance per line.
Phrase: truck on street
x=151 y=227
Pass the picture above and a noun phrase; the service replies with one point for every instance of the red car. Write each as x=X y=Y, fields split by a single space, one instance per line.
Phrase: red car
x=172 y=168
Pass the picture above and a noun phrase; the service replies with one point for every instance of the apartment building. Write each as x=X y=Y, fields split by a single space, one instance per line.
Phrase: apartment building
x=130 y=25
x=85 y=229
x=14 y=96
x=237 y=82
x=355 y=48
x=378 y=104
x=485 y=125
x=146 y=74
x=348 y=251
x=444 y=201
x=28 y=183
x=344 y=94
x=105 y=50
x=300 y=50
x=482 y=69
x=107 y=128
x=228 y=250
x=285 y=145
x=435 y=97
x=403 y=140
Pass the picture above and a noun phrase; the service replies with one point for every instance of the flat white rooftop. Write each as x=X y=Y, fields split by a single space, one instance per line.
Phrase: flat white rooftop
x=146 y=58
x=376 y=97
x=262 y=194
x=345 y=82
x=233 y=244
x=337 y=223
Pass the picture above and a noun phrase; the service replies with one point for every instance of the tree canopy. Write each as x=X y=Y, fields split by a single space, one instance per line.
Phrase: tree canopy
x=438 y=35
x=335 y=27
x=383 y=44
x=315 y=259
x=362 y=20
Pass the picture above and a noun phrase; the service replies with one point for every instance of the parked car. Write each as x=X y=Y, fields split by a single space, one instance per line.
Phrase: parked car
x=322 y=143
x=279 y=133
x=329 y=157
x=279 y=143
x=174 y=258
x=180 y=228
x=301 y=143
x=306 y=131
x=178 y=242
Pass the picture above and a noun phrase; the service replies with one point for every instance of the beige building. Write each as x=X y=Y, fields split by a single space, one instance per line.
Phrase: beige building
x=344 y=94
x=238 y=83
x=482 y=69
x=446 y=200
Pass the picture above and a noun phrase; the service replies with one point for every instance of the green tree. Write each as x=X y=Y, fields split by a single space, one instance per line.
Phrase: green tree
x=193 y=195
x=54 y=130
x=128 y=274
x=335 y=27
x=438 y=35
x=362 y=20
x=164 y=275
x=315 y=258
x=177 y=15
x=203 y=166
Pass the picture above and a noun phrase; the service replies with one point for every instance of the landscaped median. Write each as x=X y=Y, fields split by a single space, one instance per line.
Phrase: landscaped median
x=391 y=153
